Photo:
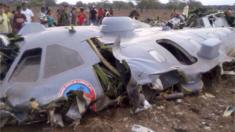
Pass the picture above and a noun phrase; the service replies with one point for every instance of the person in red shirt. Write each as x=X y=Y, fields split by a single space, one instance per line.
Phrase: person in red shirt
x=81 y=17
x=18 y=20
x=101 y=14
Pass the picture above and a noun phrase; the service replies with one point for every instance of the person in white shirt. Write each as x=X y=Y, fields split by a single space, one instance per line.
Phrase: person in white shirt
x=27 y=12
x=43 y=16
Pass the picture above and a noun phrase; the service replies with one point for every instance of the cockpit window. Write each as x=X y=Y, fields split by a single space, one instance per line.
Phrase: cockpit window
x=60 y=59
x=177 y=51
x=28 y=68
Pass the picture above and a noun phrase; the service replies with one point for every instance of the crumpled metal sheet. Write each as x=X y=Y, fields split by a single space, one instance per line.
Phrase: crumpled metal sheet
x=136 y=52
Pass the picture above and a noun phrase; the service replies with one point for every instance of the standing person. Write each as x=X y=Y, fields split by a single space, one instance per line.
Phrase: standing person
x=10 y=17
x=134 y=14
x=93 y=18
x=106 y=13
x=43 y=16
x=73 y=16
x=78 y=9
x=27 y=12
x=111 y=11
x=100 y=15
x=50 y=19
x=4 y=21
x=63 y=16
x=174 y=13
x=81 y=17
x=58 y=15
x=18 y=20
x=229 y=17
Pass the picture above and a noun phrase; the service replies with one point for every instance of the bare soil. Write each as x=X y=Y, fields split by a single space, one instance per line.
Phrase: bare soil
x=198 y=113
x=163 y=14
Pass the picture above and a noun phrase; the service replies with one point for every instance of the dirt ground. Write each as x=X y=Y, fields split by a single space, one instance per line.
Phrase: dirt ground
x=163 y=14
x=198 y=113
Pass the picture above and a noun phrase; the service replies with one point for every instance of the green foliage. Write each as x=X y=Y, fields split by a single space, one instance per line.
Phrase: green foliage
x=105 y=5
x=116 y=4
x=80 y=4
x=122 y=5
x=148 y=4
x=194 y=4
x=36 y=2
x=175 y=4
x=50 y=2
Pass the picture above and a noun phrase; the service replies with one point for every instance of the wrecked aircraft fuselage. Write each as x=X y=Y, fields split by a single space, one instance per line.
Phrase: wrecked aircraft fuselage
x=59 y=74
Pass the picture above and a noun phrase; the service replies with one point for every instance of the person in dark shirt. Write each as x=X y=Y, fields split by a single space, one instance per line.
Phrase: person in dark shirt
x=134 y=14
x=111 y=11
x=73 y=16
x=63 y=16
x=229 y=17
x=18 y=20
x=93 y=18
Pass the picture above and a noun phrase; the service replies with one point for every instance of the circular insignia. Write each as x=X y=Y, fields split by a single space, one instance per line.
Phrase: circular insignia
x=81 y=85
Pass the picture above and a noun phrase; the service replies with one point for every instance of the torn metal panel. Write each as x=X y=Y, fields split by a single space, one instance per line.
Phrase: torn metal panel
x=147 y=56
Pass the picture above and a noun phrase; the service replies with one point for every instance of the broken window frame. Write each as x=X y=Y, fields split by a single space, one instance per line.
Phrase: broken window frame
x=79 y=56
x=190 y=59
x=107 y=72
x=22 y=61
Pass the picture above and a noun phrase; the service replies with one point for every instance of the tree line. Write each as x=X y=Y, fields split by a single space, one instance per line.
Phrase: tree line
x=140 y=4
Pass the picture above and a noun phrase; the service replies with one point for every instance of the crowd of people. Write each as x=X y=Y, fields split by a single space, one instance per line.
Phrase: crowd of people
x=11 y=21
x=14 y=20
x=78 y=16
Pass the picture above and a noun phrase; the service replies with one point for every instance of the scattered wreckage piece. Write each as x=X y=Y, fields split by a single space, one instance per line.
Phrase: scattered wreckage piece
x=53 y=80
x=140 y=128
x=216 y=19
x=229 y=111
x=211 y=20
x=199 y=18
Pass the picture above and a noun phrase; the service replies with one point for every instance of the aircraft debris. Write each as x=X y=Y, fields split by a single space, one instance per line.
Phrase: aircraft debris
x=197 y=18
x=229 y=111
x=140 y=128
x=52 y=80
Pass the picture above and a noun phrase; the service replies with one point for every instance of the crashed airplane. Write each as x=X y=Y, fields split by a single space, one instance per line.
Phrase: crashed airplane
x=60 y=73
